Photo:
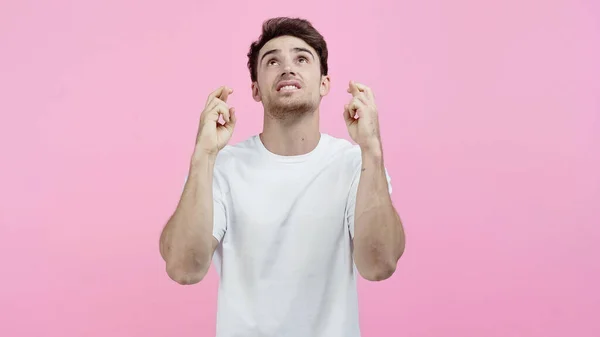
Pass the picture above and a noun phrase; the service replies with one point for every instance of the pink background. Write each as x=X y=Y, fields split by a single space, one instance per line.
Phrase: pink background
x=490 y=115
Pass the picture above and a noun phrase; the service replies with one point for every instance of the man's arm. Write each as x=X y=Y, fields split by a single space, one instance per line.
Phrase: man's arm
x=186 y=242
x=378 y=234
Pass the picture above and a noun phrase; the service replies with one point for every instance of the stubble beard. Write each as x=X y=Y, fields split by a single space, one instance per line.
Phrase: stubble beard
x=290 y=111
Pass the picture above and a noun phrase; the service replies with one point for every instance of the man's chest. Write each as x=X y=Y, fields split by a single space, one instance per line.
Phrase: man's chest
x=278 y=207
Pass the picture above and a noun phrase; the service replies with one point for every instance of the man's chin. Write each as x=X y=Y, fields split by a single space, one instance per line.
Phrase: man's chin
x=283 y=108
x=290 y=101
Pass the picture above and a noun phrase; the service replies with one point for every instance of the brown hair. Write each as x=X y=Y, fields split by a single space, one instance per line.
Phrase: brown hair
x=296 y=27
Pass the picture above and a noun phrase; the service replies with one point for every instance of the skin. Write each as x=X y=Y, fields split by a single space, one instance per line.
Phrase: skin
x=186 y=242
x=291 y=127
x=379 y=238
x=291 y=120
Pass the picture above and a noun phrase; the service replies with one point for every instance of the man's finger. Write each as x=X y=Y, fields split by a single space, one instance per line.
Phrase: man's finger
x=214 y=94
x=368 y=92
x=362 y=97
x=353 y=89
x=225 y=93
x=356 y=106
x=213 y=103
x=359 y=87
x=348 y=115
x=223 y=109
x=217 y=93
x=232 y=119
x=216 y=108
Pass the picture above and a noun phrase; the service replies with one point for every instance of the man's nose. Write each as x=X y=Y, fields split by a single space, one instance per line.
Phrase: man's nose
x=287 y=70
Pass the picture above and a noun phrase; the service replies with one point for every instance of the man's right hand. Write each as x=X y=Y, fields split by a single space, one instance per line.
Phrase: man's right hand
x=213 y=134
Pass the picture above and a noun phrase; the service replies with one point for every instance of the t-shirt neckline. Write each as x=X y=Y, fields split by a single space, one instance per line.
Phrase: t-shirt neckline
x=290 y=159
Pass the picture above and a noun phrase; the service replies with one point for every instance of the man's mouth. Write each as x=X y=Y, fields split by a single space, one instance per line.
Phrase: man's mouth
x=286 y=86
x=289 y=88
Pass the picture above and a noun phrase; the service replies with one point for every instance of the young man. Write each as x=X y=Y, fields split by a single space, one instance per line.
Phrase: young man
x=291 y=215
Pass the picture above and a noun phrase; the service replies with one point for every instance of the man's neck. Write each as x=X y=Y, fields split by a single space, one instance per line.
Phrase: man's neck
x=291 y=139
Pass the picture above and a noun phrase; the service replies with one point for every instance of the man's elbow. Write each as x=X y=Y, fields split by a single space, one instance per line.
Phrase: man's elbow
x=186 y=277
x=378 y=272
x=382 y=270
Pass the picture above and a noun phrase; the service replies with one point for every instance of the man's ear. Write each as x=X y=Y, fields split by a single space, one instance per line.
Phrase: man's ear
x=255 y=92
x=325 y=85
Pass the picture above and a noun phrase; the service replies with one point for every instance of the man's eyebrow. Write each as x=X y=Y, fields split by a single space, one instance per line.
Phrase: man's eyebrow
x=300 y=49
x=272 y=51
x=276 y=51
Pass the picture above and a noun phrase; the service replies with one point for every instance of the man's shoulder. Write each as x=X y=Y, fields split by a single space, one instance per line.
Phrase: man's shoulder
x=229 y=159
x=344 y=150
x=341 y=143
x=241 y=149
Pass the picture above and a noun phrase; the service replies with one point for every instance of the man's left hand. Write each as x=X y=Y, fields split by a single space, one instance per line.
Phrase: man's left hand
x=362 y=118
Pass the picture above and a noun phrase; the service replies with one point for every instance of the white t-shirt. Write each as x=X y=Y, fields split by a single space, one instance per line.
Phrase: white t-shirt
x=285 y=226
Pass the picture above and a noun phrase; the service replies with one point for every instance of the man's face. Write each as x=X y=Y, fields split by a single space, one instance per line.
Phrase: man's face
x=289 y=81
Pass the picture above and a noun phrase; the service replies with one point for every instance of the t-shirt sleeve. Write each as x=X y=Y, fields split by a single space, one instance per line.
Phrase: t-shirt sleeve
x=351 y=203
x=219 y=216
x=219 y=211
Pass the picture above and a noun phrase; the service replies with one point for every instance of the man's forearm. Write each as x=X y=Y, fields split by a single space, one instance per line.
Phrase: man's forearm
x=378 y=232
x=186 y=241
